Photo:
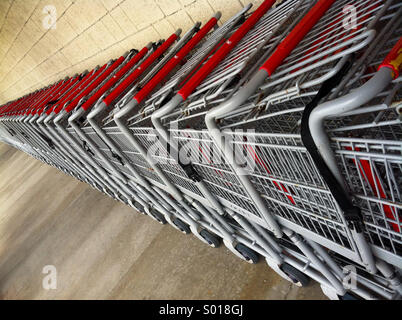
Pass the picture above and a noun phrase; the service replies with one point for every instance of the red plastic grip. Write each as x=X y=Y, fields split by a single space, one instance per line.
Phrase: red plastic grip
x=70 y=94
x=86 y=89
x=137 y=72
x=23 y=100
x=168 y=67
x=223 y=51
x=40 y=108
x=8 y=107
x=30 y=105
x=27 y=102
x=296 y=35
x=115 y=78
x=83 y=83
x=54 y=94
x=102 y=76
x=394 y=59
x=52 y=90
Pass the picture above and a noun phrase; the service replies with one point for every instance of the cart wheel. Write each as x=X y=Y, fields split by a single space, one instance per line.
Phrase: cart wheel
x=159 y=217
x=212 y=240
x=139 y=207
x=298 y=277
x=247 y=253
x=348 y=296
x=182 y=226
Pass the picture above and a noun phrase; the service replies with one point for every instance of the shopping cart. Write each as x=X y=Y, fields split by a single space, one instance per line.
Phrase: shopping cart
x=217 y=227
x=273 y=196
x=71 y=146
x=23 y=135
x=76 y=130
x=271 y=253
x=42 y=143
x=134 y=164
x=228 y=179
x=70 y=125
x=61 y=150
x=137 y=147
x=312 y=216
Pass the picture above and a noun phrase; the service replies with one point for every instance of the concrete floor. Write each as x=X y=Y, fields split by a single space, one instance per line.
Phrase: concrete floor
x=104 y=250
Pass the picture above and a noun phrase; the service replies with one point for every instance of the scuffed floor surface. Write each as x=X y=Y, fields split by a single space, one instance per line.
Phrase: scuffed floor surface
x=104 y=250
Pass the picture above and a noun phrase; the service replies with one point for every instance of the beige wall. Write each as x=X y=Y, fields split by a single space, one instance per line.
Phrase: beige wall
x=87 y=33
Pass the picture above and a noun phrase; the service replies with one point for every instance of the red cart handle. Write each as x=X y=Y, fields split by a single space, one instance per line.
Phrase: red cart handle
x=394 y=59
x=50 y=93
x=27 y=102
x=39 y=110
x=223 y=51
x=296 y=35
x=9 y=106
x=54 y=94
x=173 y=62
x=83 y=83
x=22 y=101
x=71 y=94
x=133 y=61
x=137 y=72
x=94 y=84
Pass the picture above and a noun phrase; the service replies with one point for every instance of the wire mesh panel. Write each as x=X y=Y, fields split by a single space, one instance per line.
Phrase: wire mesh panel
x=282 y=169
x=275 y=158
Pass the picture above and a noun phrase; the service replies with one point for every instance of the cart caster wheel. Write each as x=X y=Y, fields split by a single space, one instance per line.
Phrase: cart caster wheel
x=298 y=277
x=212 y=240
x=249 y=255
x=138 y=207
x=159 y=217
x=348 y=296
x=184 y=228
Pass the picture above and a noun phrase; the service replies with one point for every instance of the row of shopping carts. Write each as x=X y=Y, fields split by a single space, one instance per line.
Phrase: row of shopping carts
x=277 y=133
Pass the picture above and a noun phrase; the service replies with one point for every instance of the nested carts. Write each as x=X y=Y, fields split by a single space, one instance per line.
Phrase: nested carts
x=277 y=132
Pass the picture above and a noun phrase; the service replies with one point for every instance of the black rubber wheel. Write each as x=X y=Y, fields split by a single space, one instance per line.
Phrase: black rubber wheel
x=348 y=296
x=298 y=277
x=182 y=226
x=139 y=207
x=159 y=217
x=110 y=194
x=212 y=240
x=248 y=254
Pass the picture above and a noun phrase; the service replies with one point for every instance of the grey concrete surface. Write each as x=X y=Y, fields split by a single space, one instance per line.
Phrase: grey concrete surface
x=104 y=250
